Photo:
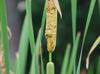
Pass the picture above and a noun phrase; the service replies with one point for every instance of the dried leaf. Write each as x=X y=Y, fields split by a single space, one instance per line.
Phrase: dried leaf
x=91 y=50
x=9 y=32
x=56 y=2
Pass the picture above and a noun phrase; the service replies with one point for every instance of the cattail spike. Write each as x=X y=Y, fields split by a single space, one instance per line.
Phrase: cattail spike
x=51 y=25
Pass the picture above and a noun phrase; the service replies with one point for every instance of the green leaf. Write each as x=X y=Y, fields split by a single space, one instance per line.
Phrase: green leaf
x=74 y=19
x=73 y=54
x=42 y=65
x=95 y=44
x=4 y=33
x=33 y=66
x=30 y=26
x=23 y=49
x=43 y=20
x=38 y=41
x=66 y=60
x=74 y=12
x=91 y=8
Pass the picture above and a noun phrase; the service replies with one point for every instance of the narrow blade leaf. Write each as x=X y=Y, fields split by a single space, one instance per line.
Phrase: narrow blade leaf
x=58 y=7
x=73 y=54
x=23 y=48
x=91 y=8
x=4 y=33
x=65 y=61
x=91 y=50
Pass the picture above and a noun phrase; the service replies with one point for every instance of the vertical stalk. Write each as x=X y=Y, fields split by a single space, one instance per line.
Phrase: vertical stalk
x=50 y=57
x=3 y=19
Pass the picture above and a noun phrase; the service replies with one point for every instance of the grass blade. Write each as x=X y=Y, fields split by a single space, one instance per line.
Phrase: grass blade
x=73 y=56
x=91 y=8
x=35 y=57
x=31 y=33
x=43 y=20
x=31 y=36
x=65 y=61
x=33 y=66
x=40 y=34
x=3 y=20
x=42 y=65
x=42 y=29
x=74 y=16
x=74 y=11
x=23 y=48
x=95 y=44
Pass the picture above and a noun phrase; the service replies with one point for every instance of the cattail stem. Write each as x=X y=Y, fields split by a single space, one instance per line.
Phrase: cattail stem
x=50 y=57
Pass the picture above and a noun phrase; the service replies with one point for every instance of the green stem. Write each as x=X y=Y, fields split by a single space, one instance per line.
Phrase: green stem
x=50 y=57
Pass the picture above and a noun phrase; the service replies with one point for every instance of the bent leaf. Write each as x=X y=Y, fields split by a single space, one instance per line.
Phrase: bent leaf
x=90 y=13
x=58 y=7
x=91 y=50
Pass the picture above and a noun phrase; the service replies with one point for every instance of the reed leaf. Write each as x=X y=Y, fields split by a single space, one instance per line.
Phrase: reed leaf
x=74 y=12
x=58 y=7
x=73 y=54
x=38 y=41
x=42 y=65
x=65 y=60
x=91 y=8
x=23 y=49
x=36 y=54
x=95 y=44
x=42 y=30
x=74 y=19
x=33 y=66
x=31 y=32
x=4 y=33
x=43 y=20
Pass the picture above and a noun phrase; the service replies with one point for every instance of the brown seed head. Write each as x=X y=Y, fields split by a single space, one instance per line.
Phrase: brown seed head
x=51 y=25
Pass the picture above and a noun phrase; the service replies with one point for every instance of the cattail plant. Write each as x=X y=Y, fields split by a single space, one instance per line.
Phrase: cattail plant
x=51 y=30
x=27 y=37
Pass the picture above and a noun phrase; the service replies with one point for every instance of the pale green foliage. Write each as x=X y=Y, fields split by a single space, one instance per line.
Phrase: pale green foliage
x=50 y=68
